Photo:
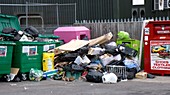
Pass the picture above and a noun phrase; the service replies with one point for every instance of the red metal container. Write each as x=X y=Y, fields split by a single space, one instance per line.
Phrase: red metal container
x=157 y=47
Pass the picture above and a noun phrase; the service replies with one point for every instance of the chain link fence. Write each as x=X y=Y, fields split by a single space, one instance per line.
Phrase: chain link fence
x=45 y=17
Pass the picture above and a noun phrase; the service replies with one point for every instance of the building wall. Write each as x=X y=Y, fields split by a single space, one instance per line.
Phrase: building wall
x=85 y=10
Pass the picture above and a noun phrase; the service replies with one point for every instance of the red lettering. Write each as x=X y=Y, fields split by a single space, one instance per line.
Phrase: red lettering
x=161 y=62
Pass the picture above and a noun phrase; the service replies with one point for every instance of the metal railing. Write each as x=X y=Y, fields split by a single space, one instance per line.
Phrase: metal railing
x=49 y=13
x=123 y=20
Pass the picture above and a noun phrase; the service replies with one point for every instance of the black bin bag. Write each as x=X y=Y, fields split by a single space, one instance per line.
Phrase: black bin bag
x=94 y=76
x=32 y=31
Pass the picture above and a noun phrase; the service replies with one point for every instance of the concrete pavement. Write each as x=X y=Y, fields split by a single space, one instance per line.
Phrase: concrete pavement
x=157 y=79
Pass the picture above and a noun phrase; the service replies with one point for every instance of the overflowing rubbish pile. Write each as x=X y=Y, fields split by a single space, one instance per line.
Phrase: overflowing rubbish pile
x=97 y=60
x=30 y=55
x=93 y=60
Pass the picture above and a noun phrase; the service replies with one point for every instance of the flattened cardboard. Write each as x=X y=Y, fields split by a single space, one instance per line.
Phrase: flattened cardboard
x=101 y=39
x=14 y=71
x=73 y=45
x=95 y=51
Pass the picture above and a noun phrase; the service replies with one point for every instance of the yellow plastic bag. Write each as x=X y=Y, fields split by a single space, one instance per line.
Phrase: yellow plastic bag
x=48 y=61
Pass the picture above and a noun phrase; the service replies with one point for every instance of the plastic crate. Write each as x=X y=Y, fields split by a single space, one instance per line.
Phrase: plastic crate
x=6 y=49
x=118 y=69
x=135 y=44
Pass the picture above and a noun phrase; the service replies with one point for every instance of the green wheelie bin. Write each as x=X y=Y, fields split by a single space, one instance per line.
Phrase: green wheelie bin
x=27 y=55
x=6 y=50
x=6 y=47
x=50 y=44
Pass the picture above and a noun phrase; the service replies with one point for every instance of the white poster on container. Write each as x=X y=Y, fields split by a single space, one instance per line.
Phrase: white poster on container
x=160 y=55
x=45 y=47
x=138 y=2
x=32 y=50
x=25 y=49
x=48 y=47
x=52 y=46
x=3 y=51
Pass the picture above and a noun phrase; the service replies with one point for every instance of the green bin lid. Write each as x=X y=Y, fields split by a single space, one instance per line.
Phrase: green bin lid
x=7 y=43
x=49 y=36
x=9 y=21
x=30 y=43
x=7 y=35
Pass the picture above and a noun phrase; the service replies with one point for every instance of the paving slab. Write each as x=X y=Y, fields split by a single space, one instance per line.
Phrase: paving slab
x=157 y=79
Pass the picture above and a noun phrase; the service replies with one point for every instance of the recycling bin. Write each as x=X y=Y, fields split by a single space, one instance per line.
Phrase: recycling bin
x=50 y=44
x=157 y=47
x=6 y=50
x=6 y=47
x=74 y=32
x=27 y=55
x=132 y=43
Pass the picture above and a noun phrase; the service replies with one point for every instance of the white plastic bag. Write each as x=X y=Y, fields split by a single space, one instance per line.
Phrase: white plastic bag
x=109 y=78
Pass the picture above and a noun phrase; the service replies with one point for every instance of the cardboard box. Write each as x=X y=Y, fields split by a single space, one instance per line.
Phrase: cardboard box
x=101 y=39
x=141 y=75
x=73 y=45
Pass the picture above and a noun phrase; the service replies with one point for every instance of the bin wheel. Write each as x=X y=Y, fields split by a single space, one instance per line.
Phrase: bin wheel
x=24 y=77
x=7 y=78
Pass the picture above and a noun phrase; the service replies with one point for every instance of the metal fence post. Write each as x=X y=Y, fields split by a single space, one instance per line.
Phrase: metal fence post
x=26 y=10
x=57 y=15
x=75 y=12
x=118 y=14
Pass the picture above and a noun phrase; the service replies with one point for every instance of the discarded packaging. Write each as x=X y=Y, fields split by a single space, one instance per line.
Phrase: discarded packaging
x=73 y=45
x=14 y=72
x=141 y=75
x=95 y=51
x=50 y=73
x=122 y=35
x=109 y=78
x=80 y=60
x=35 y=74
x=106 y=59
x=101 y=39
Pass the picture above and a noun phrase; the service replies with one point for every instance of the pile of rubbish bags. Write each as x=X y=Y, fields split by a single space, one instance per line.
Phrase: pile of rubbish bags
x=30 y=34
x=97 y=60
